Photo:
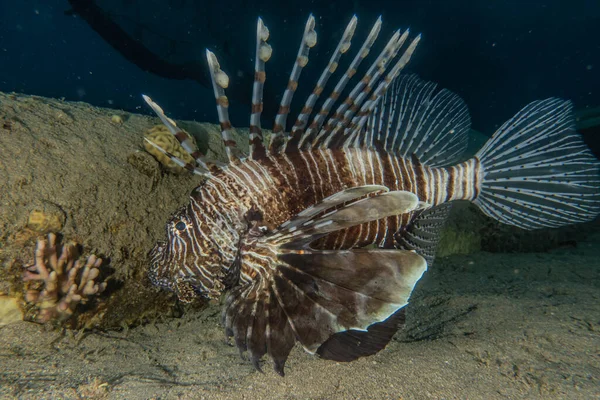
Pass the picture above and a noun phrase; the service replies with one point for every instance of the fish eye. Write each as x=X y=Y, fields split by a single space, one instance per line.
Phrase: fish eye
x=180 y=226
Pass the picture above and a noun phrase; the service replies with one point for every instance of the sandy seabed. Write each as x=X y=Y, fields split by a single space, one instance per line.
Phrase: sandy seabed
x=480 y=326
x=483 y=326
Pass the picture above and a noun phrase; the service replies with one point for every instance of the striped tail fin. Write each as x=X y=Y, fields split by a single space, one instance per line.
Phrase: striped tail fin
x=537 y=171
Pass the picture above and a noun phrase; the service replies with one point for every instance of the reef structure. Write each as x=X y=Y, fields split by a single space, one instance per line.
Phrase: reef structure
x=160 y=136
x=62 y=281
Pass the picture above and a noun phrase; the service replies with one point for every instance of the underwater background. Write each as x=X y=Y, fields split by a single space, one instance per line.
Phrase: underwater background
x=497 y=55
x=503 y=312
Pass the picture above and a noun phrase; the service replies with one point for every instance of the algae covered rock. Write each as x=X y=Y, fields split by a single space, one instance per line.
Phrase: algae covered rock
x=47 y=218
x=67 y=170
x=75 y=171
x=10 y=311
x=462 y=230
x=467 y=230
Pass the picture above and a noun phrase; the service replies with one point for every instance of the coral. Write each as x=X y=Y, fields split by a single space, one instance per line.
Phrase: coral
x=161 y=136
x=46 y=217
x=9 y=310
x=116 y=119
x=65 y=280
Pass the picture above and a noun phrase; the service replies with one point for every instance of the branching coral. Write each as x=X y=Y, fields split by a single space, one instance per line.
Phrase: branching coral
x=65 y=280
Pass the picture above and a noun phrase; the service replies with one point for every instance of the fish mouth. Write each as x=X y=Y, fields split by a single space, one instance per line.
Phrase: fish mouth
x=157 y=263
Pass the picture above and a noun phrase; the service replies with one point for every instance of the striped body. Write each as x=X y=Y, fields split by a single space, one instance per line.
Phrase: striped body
x=321 y=234
x=274 y=189
x=284 y=185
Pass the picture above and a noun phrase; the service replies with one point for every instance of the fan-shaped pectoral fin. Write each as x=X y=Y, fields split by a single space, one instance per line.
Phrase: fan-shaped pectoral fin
x=312 y=295
x=305 y=295
x=254 y=318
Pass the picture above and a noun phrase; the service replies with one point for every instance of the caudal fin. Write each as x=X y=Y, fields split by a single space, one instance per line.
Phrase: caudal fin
x=537 y=171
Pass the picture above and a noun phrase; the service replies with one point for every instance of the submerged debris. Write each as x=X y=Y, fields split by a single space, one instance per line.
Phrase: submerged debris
x=62 y=281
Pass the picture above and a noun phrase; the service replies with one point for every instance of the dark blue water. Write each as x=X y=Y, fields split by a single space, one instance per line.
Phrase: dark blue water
x=498 y=55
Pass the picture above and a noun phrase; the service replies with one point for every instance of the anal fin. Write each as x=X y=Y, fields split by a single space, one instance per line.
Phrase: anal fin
x=424 y=233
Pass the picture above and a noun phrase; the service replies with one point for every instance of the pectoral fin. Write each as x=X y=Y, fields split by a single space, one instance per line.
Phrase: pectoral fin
x=323 y=293
x=306 y=295
x=352 y=344
x=336 y=199
x=356 y=213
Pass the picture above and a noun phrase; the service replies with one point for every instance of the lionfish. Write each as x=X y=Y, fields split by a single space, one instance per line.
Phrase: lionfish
x=320 y=234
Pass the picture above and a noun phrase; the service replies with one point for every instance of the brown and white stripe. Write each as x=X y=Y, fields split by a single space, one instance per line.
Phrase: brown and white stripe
x=284 y=184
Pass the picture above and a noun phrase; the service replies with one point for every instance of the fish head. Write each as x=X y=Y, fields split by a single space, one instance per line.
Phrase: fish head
x=200 y=248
